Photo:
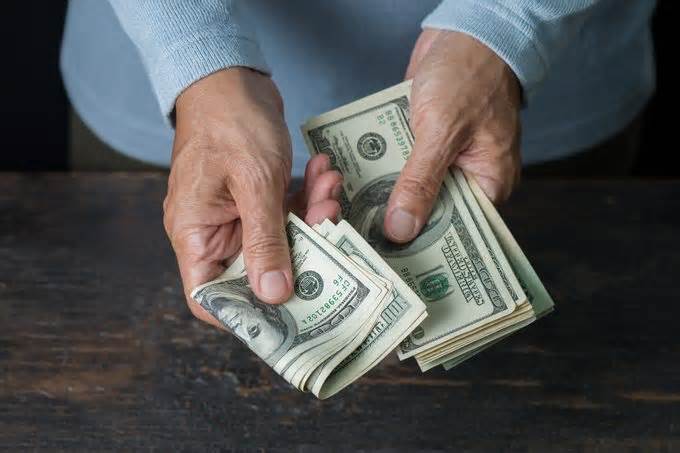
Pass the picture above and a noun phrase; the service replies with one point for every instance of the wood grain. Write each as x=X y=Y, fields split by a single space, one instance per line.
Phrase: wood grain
x=97 y=349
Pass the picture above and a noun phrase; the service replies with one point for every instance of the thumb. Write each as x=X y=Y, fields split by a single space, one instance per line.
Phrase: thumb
x=418 y=185
x=265 y=244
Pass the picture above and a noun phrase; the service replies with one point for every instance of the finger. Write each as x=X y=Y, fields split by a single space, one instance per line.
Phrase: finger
x=494 y=163
x=326 y=209
x=316 y=166
x=201 y=258
x=199 y=272
x=438 y=142
x=420 y=49
x=412 y=199
x=496 y=177
x=265 y=245
x=326 y=187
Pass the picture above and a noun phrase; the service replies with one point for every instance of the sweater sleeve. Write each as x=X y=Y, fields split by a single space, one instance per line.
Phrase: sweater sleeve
x=527 y=34
x=182 y=41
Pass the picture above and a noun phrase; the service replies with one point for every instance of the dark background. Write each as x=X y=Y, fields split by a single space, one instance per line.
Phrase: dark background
x=34 y=106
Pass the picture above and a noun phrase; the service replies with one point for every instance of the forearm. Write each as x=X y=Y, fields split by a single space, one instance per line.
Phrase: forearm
x=527 y=34
x=181 y=42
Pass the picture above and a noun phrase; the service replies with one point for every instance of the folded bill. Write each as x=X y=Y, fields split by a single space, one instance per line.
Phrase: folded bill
x=461 y=286
x=341 y=320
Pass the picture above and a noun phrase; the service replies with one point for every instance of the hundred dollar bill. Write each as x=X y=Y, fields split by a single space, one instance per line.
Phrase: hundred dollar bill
x=332 y=304
x=523 y=313
x=516 y=271
x=474 y=340
x=474 y=349
x=458 y=180
x=399 y=317
x=537 y=295
x=448 y=265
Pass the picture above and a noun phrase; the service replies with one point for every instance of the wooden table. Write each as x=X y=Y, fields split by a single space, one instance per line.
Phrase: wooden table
x=97 y=349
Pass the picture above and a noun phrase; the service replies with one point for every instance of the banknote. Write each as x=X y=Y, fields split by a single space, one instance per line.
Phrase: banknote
x=537 y=295
x=400 y=316
x=464 y=265
x=332 y=310
x=448 y=265
x=462 y=285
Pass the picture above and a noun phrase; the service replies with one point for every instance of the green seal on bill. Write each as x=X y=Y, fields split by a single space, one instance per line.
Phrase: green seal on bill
x=434 y=287
x=308 y=285
x=371 y=146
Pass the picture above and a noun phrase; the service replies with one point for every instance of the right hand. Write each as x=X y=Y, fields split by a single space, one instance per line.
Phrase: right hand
x=228 y=181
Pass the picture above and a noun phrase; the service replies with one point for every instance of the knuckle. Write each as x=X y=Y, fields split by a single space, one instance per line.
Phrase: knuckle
x=261 y=246
x=440 y=131
x=256 y=175
x=502 y=181
x=167 y=225
x=419 y=189
x=168 y=215
x=253 y=174
x=500 y=144
x=195 y=309
x=194 y=246
x=198 y=249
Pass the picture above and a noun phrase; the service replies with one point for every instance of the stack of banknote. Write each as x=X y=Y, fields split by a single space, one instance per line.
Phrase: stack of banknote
x=465 y=265
x=348 y=311
x=460 y=286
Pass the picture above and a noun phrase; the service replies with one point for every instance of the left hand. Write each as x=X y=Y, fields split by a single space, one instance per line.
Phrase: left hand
x=228 y=182
x=465 y=103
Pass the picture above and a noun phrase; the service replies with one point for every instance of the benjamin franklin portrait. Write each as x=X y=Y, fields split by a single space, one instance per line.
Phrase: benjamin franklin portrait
x=367 y=216
x=268 y=330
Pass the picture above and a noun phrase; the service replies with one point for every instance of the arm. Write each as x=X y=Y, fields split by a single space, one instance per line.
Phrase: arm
x=467 y=67
x=231 y=155
x=527 y=34
x=182 y=41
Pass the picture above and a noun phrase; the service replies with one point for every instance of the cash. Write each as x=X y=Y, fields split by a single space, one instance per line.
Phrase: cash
x=348 y=310
x=465 y=265
x=461 y=286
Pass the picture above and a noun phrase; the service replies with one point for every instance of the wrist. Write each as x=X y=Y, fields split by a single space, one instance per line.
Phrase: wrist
x=234 y=109
x=234 y=81
x=514 y=86
x=515 y=39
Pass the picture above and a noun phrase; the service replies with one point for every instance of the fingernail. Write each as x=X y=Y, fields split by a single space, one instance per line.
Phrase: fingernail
x=273 y=285
x=402 y=225
x=337 y=190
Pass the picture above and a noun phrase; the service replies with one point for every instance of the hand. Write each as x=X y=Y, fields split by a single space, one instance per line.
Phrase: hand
x=228 y=181
x=464 y=112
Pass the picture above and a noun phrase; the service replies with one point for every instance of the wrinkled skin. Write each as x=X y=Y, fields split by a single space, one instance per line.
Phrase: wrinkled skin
x=232 y=158
x=228 y=182
x=465 y=105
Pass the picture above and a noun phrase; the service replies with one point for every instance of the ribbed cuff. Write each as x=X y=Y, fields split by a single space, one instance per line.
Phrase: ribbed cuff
x=198 y=56
x=510 y=36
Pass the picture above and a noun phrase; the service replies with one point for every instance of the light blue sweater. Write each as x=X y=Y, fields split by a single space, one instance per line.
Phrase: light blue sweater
x=586 y=66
